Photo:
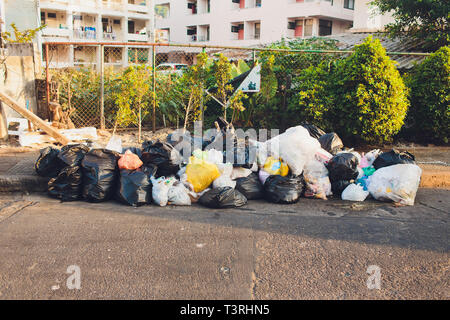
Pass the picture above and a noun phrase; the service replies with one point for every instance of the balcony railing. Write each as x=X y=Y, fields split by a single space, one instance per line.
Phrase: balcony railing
x=137 y=37
x=56 y=32
x=90 y=33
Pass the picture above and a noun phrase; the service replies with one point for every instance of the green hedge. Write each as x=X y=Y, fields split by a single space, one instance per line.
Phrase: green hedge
x=361 y=97
x=429 y=85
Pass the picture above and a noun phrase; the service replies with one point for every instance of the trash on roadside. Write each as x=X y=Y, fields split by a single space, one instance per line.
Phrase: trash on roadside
x=368 y=158
x=222 y=198
x=129 y=161
x=343 y=166
x=316 y=179
x=250 y=187
x=160 y=190
x=114 y=144
x=163 y=156
x=135 y=187
x=48 y=164
x=201 y=173
x=398 y=183
x=354 y=192
x=339 y=186
x=393 y=157
x=331 y=142
x=178 y=195
x=67 y=186
x=276 y=167
x=240 y=172
x=280 y=189
x=291 y=165
x=223 y=181
x=100 y=173
x=295 y=147
x=313 y=130
x=72 y=155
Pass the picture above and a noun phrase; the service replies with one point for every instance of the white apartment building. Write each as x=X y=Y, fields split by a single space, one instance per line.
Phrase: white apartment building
x=250 y=22
x=86 y=21
x=368 y=18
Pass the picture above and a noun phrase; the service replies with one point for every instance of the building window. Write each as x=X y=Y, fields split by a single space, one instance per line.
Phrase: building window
x=325 y=27
x=257 y=30
x=308 y=28
x=349 y=4
x=51 y=15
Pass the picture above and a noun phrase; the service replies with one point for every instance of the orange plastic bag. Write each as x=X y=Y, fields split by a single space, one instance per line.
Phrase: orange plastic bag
x=129 y=161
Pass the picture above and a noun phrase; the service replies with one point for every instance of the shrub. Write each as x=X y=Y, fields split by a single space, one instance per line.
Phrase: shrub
x=430 y=97
x=362 y=97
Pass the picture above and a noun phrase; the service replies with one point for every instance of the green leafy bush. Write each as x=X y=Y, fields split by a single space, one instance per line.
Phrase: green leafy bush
x=362 y=97
x=429 y=83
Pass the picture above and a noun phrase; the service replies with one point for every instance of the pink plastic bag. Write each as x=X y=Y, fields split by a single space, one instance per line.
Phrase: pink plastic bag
x=129 y=161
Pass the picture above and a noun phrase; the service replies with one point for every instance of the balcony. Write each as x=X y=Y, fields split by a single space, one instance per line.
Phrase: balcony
x=137 y=37
x=88 y=33
x=56 y=32
x=137 y=8
x=54 y=4
x=320 y=8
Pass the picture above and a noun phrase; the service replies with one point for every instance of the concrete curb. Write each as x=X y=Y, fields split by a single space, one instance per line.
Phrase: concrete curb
x=24 y=183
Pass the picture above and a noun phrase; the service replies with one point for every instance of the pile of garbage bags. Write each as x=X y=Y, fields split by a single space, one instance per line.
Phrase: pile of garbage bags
x=304 y=161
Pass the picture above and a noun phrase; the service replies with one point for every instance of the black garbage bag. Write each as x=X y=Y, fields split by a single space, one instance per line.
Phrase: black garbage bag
x=68 y=185
x=331 y=143
x=339 y=186
x=162 y=155
x=225 y=197
x=100 y=172
x=72 y=155
x=250 y=187
x=343 y=166
x=135 y=150
x=48 y=164
x=280 y=189
x=135 y=187
x=313 y=130
x=393 y=157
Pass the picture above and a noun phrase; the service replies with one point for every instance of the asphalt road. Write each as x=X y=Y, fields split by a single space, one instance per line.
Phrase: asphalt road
x=310 y=250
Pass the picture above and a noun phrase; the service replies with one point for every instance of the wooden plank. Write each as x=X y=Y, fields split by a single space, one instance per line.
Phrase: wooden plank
x=3 y=126
x=38 y=122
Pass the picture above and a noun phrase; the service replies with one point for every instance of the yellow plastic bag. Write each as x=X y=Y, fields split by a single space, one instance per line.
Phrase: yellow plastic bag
x=201 y=173
x=276 y=167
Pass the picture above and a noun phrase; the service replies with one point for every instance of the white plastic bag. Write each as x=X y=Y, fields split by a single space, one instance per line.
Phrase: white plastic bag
x=354 y=192
x=317 y=182
x=160 y=190
x=368 y=158
x=398 y=183
x=224 y=181
x=239 y=172
x=178 y=195
x=295 y=146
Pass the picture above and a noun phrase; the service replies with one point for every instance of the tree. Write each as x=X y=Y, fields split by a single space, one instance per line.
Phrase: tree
x=134 y=86
x=362 y=97
x=25 y=36
x=430 y=97
x=424 y=20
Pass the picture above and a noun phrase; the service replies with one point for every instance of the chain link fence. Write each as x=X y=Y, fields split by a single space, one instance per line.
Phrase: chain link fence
x=93 y=80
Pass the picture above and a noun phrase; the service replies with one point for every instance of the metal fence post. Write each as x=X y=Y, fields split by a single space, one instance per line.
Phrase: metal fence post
x=154 y=86
x=102 y=87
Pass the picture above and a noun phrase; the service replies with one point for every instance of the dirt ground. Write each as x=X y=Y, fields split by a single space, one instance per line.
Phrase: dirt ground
x=434 y=160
